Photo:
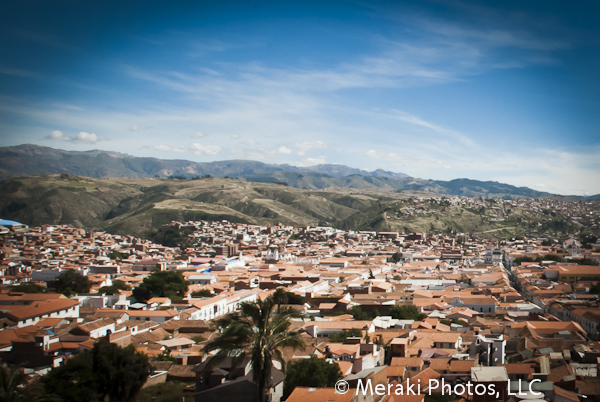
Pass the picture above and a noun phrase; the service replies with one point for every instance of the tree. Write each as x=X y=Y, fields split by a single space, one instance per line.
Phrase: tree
x=70 y=282
x=312 y=372
x=293 y=298
x=202 y=293
x=280 y=297
x=14 y=386
x=341 y=337
x=28 y=288
x=396 y=257
x=256 y=332
x=115 y=255
x=165 y=356
x=106 y=373
x=161 y=284
x=172 y=237
x=406 y=313
x=114 y=288
x=358 y=314
x=550 y=257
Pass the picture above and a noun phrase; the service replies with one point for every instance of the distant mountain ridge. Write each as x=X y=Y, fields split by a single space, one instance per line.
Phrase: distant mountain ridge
x=30 y=159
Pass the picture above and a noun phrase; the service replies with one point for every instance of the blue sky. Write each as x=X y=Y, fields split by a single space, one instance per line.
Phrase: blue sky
x=488 y=90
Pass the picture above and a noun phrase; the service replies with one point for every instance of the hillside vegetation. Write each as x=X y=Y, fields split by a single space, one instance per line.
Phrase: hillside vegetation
x=136 y=206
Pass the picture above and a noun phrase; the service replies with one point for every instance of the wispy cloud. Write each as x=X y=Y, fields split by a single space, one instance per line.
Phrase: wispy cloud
x=137 y=128
x=166 y=148
x=306 y=146
x=45 y=38
x=408 y=118
x=17 y=72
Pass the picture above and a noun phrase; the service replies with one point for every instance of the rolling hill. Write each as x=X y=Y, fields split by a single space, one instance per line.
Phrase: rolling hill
x=137 y=205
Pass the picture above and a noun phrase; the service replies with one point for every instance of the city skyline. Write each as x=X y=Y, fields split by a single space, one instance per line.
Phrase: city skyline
x=495 y=91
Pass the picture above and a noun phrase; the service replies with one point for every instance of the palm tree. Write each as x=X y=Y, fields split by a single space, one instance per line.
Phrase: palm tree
x=280 y=297
x=14 y=386
x=11 y=382
x=259 y=333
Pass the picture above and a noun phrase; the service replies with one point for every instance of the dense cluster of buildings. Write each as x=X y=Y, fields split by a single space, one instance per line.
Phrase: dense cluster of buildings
x=477 y=312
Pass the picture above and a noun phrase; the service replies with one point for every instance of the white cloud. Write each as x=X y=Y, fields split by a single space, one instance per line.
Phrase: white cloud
x=136 y=128
x=89 y=138
x=284 y=150
x=166 y=148
x=408 y=118
x=310 y=162
x=381 y=155
x=306 y=146
x=198 y=134
x=315 y=161
x=200 y=149
x=82 y=137
x=58 y=135
x=235 y=137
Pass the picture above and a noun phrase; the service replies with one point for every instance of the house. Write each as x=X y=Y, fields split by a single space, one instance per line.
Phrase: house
x=35 y=311
x=326 y=328
x=228 y=381
x=563 y=395
x=411 y=363
x=488 y=376
x=303 y=394
x=478 y=304
x=95 y=329
x=158 y=316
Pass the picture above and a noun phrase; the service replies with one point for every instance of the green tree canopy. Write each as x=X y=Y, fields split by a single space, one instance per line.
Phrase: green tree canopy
x=15 y=388
x=293 y=298
x=70 y=282
x=406 y=313
x=550 y=257
x=344 y=335
x=202 y=293
x=312 y=372
x=107 y=372
x=114 y=288
x=28 y=288
x=172 y=237
x=161 y=284
x=280 y=297
x=115 y=255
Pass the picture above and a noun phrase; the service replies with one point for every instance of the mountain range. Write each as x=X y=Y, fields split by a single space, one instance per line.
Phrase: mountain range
x=30 y=159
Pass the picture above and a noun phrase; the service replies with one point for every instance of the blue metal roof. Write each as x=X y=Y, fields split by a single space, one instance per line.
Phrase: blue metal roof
x=6 y=222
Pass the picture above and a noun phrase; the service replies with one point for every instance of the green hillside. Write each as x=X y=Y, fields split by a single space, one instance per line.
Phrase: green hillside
x=136 y=205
